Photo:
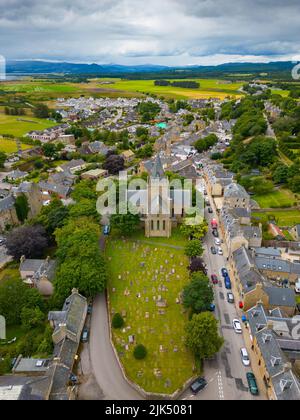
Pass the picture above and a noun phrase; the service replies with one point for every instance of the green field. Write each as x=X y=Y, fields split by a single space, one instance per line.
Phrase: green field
x=277 y=199
x=208 y=88
x=9 y=146
x=168 y=364
x=283 y=218
x=19 y=126
x=38 y=87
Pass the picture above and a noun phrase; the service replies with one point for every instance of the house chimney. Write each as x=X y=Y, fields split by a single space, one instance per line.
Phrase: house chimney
x=287 y=367
x=22 y=259
x=48 y=259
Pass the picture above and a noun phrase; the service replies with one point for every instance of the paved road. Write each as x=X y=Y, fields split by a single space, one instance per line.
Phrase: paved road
x=104 y=364
x=226 y=375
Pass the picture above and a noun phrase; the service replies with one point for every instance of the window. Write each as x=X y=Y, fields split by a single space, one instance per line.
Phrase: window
x=152 y=225
x=158 y=225
x=164 y=225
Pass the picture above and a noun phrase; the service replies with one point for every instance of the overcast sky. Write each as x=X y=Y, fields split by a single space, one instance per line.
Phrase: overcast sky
x=168 y=32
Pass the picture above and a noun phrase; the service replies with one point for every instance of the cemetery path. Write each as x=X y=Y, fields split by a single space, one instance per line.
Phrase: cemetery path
x=105 y=366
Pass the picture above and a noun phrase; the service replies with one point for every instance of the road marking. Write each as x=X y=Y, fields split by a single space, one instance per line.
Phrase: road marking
x=220 y=386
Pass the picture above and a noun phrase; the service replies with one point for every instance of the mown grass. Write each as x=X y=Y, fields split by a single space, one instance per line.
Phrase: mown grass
x=143 y=319
x=20 y=125
x=276 y=199
x=283 y=218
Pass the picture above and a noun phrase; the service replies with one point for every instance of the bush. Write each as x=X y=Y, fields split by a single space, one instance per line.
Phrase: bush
x=118 y=321
x=140 y=352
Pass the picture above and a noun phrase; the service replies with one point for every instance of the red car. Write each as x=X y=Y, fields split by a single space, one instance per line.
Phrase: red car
x=214 y=279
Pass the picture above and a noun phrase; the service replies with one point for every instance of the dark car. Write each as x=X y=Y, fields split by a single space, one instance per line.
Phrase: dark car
x=253 y=388
x=213 y=250
x=210 y=210
x=215 y=233
x=230 y=297
x=90 y=309
x=214 y=279
x=198 y=385
x=224 y=272
x=85 y=335
x=227 y=283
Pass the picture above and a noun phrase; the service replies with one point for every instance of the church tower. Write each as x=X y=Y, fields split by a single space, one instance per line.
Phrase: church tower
x=158 y=221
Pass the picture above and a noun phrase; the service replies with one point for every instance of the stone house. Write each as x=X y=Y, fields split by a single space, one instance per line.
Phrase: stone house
x=39 y=274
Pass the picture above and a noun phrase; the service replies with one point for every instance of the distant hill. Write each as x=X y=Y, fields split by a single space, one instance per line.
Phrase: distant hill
x=282 y=69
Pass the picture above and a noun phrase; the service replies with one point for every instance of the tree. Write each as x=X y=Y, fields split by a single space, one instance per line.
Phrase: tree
x=114 y=164
x=196 y=264
x=41 y=111
x=198 y=294
x=31 y=318
x=193 y=248
x=53 y=216
x=30 y=241
x=202 y=336
x=3 y=158
x=280 y=174
x=117 y=321
x=140 y=352
x=261 y=186
x=126 y=223
x=197 y=231
x=22 y=207
x=49 y=150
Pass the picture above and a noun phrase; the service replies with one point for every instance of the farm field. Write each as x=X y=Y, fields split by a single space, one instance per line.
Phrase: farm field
x=9 y=146
x=20 y=125
x=208 y=88
x=277 y=199
x=283 y=218
x=141 y=270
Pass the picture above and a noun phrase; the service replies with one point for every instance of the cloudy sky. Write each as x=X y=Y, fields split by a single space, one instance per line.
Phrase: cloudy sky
x=168 y=32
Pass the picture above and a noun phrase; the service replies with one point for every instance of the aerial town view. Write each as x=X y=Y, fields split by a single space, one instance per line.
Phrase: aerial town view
x=150 y=213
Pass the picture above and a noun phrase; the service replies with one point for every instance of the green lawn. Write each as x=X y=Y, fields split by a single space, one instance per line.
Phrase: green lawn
x=9 y=146
x=38 y=87
x=208 y=88
x=277 y=199
x=9 y=273
x=19 y=126
x=143 y=319
x=284 y=218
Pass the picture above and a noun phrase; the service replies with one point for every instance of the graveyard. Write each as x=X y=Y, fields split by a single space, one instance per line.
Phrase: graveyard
x=146 y=278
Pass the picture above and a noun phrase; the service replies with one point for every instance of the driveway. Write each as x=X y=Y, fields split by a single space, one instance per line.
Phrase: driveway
x=104 y=364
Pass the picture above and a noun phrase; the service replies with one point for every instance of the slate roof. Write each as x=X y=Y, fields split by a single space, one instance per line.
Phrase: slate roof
x=157 y=170
x=63 y=190
x=281 y=296
x=7 y=203
x=235 y=191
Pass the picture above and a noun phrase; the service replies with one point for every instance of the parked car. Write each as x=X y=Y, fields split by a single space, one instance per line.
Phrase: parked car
x=253 y=388
x=85 y=335
x=106 y=230
x=217 y=241
x=90 y=309
x=210 y=210
x=237 y=326
x=224 y=272
x=215 y=233
x=214 y=279
x=230 y=297
x=245 y=357
x=227 y=283
x=220 y=251
x=213 y=250
x=198 y=385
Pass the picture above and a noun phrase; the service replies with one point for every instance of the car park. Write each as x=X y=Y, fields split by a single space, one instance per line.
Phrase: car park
x=198 y=385
x=252 y=384
x=213 y=250
x=214 y=279
x=245 y=357
x=237 y=326
x=230 y=297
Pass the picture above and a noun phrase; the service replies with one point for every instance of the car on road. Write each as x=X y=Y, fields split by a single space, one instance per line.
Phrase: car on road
x=198 y=385
x=224 y=272
x=227 y=283
x=220 y=251
x=253 y=388
x=90 y=309
x=230 y=297
x=217 y=241
x=106 y=230
x=85 y=335
x=210 y=210
x=245 y=357
x=237 y=326
x=214 y=279
x=215 y=233
x=213 y=250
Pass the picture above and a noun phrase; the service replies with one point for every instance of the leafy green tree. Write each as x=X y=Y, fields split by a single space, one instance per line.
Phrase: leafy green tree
x=140 y=352
x=118 y=321
x=197 y=231
x=280 y=174
x=53 y=216
x=41 y=111
x=261 y=186
x=198 y=294
x=202 y=336
x=125 y=223
x=22 y=207
x=49 y=150
x=32 y=318
x=193 y=248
